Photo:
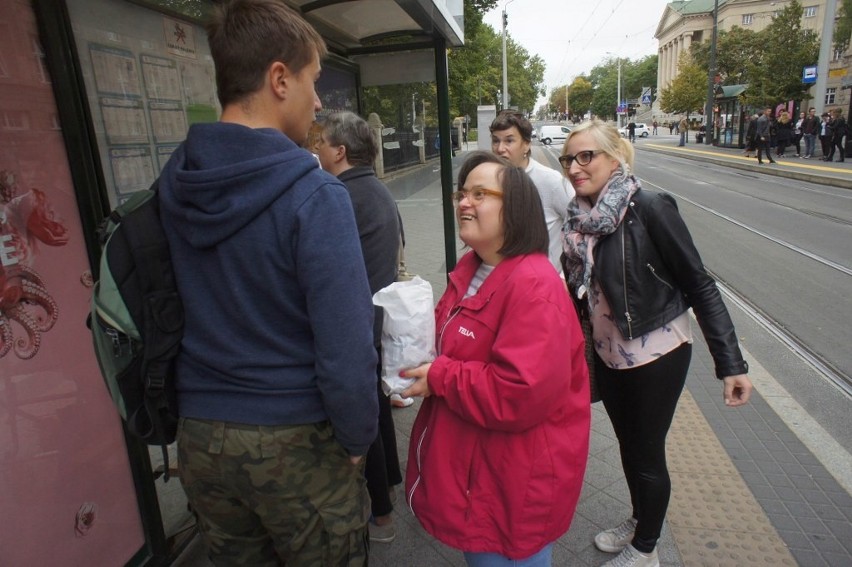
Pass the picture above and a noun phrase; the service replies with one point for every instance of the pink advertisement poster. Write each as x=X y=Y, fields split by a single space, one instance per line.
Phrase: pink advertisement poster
x=66 y=492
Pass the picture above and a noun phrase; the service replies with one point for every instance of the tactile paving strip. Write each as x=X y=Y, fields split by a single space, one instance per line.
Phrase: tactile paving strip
x=714 y=518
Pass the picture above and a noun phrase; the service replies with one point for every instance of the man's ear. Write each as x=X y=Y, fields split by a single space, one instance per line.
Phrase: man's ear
x=279 y=75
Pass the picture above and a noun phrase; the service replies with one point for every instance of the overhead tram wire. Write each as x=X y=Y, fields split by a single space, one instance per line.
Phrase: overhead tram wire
x=579 y=51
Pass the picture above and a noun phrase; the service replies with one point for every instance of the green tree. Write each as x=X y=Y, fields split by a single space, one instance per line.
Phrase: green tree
x=580 y=96
x=688 y=91
x=843 y=26
x=635 y=75
x=604 y=79
x=736 y=52
x=775 y=75
x=476 y=70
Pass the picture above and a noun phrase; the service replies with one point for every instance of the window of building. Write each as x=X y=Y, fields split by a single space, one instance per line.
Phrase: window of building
x=809 y=12
x=747 y=19
x=830 y=94
x=837 y=55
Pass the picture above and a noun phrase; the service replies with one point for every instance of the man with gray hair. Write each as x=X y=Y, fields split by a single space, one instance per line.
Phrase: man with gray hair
x=348 y=149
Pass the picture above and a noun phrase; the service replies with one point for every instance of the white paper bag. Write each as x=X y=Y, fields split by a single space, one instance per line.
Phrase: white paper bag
x=408 y=330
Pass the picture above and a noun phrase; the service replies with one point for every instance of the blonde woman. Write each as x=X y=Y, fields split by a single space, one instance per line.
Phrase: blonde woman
x=631 y=258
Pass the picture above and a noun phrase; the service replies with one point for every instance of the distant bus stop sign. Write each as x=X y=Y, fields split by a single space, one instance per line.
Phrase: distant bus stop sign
x=809 y=74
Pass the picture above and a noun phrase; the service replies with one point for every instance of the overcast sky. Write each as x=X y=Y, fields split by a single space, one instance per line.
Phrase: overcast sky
x=572 y=36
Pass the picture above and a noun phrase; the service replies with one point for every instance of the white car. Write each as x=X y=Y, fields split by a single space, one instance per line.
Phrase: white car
x=642 y=130
x=550 y=133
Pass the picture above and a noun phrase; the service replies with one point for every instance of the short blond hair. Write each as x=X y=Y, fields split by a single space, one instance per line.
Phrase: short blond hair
x=607 y=138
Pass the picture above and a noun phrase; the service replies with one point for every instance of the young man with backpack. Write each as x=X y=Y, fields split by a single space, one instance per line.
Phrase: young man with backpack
x=276 y=377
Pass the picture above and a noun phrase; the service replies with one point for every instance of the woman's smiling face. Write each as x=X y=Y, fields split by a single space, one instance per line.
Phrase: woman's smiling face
x=481 y=222
x=590 y=179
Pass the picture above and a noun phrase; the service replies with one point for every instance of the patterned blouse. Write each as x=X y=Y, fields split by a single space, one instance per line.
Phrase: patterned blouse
x=619 y=353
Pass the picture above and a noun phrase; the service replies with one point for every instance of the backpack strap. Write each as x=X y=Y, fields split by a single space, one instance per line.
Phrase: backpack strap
x=162 y=317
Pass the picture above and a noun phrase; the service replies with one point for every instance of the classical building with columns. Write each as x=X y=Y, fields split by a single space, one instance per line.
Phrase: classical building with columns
x=688 y=21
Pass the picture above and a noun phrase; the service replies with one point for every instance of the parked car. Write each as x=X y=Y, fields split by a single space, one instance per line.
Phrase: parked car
x=550 y=133
x=642 y=130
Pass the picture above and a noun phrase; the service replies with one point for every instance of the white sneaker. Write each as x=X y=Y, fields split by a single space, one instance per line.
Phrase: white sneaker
x=631 y=557
x=615 y=539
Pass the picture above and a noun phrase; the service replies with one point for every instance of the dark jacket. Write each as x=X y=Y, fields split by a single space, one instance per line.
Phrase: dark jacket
x=811 y=125
x=838 y=130
x=268 y=264
x=650 y=272
x=378 y=229
x=784 y=131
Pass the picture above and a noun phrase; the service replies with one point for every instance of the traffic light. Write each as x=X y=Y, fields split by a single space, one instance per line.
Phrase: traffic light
x=505 y=19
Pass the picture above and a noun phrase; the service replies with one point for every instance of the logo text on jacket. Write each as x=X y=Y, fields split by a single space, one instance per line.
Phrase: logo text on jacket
x=466 y=332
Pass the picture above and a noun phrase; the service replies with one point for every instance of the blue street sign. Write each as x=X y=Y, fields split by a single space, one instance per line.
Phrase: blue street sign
x=809 y=74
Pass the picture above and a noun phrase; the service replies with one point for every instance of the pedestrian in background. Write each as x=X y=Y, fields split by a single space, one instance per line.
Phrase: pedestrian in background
x=838 y=133
x=630 y=256
x=348 y=150
x=277 y=398
x=810 y=130
x=763 y=134
x=683 y=128
x=499 y=446
x=654 y=124
x=826 y=136
x=751 y=135
x=511 y=138
x=797 y=133
x=783 y=133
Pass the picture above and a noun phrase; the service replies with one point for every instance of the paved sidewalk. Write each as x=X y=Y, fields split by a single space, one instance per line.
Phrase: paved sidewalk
x=834 y=173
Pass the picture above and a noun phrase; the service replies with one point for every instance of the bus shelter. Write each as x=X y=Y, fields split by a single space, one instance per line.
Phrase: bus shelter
x=730 y=117
x=95 y=95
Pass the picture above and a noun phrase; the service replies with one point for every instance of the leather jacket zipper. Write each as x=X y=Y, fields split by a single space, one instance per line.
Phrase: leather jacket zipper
x=624 y=276
x=662 y=281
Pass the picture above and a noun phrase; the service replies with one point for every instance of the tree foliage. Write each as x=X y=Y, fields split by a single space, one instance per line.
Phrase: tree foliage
x=476 y=70
x=737 y=53
x=843 y=26
x=635 y=75
x=687 y=93
x=786 y=49
x=770 y=61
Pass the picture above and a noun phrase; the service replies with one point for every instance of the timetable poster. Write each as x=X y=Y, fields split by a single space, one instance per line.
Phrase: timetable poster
x=148 y=77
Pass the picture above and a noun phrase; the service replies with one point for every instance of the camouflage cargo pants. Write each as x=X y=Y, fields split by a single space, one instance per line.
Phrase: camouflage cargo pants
x=268 y=496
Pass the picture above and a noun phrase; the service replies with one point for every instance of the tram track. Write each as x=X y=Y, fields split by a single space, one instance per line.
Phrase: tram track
x=832 y=373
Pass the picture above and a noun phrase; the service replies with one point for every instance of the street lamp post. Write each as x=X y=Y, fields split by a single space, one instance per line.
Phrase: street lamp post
x=618 y=90
x=709 y=123
x=505 y=70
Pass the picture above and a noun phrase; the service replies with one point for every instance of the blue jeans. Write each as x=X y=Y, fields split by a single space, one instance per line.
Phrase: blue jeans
x=683 y=136
x=540 y=559
x=810 y=144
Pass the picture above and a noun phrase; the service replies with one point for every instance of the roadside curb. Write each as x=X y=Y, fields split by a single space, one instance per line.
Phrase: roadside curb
x=708 y=156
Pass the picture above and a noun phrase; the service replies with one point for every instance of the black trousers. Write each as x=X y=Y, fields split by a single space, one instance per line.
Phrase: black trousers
x=763 y=146
x=641 y=403
x=382 y=469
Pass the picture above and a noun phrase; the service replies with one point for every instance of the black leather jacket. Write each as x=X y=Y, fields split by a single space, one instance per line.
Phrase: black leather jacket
x=650 y=272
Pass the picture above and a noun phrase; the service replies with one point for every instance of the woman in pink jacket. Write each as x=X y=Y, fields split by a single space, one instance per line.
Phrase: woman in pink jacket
x=498 y=449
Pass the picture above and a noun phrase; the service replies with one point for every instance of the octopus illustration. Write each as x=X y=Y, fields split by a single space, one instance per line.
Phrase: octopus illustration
x=27 y=310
